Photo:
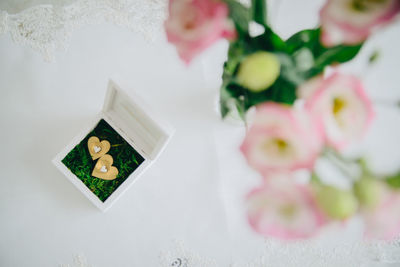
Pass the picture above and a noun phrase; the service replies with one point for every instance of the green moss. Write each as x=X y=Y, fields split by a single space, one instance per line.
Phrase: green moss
x=80 y=163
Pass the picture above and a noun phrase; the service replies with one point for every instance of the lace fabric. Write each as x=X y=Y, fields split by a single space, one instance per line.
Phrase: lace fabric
x=292 y=254
x=78 y=261
x=47 y=28
x=180 y=256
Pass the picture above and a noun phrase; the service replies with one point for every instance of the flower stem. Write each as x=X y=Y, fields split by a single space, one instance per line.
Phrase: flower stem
x=344 y=165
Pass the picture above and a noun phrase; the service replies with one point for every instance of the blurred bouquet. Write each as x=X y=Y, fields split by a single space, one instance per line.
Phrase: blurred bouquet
x=304 y=111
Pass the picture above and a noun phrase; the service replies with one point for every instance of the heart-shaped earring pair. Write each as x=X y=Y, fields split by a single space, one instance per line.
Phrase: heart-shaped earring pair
x=103 y=168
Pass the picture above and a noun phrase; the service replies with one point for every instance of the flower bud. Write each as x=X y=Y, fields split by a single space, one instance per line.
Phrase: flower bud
x=368 y=192
x=336 y=203
x=259 y=71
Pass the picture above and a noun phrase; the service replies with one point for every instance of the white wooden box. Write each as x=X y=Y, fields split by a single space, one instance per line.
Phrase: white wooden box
x=135 y=123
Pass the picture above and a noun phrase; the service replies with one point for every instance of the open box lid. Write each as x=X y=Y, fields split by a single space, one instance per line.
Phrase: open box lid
x=132 y=116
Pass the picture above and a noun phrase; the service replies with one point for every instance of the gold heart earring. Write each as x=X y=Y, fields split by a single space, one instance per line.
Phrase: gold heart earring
x=97 y=148
x=104 y=169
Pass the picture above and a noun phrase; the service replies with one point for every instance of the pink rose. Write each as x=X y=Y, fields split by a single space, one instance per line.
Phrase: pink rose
x=340 y=104
x=193 y=25
x=281 y=139
x=283 y=210
x=383 y=221
x=352 y=21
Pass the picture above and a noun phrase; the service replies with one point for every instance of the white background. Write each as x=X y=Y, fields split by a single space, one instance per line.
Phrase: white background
x=193 y=193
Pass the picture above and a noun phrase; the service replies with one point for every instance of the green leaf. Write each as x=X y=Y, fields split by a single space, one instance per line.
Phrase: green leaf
x=337 y=54
x=315 y=180
x=224 y=98
x=230 y=101
x=290 y=69
x=235 y=55
x=281 y=91
x=240 y=104
x=374 y=57
x=232 y=95
x=268 y=41
x=394 y=180
x=259 y=11
x=322 y=56
x=240 y=16
x=301 y=39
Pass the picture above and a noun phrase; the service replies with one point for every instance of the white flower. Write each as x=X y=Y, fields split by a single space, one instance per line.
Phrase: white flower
x=352 y=21
x=281 y=138
x=340 y=104
x=283 y=209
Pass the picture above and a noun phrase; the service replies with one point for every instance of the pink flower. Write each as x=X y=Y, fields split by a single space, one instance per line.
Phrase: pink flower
x=283 y=210
x=383 y=222
x=193 y=25
x=281 y=139
x=352 y=21
x=340 y=104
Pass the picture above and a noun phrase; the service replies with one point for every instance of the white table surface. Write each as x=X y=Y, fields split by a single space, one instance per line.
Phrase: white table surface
x=193 y=193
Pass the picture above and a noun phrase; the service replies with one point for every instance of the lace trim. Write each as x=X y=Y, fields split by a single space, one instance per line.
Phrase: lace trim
x=47 y=28
x=179 y=256
x=286 y=254
x=78 y=261
x=304 y=253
